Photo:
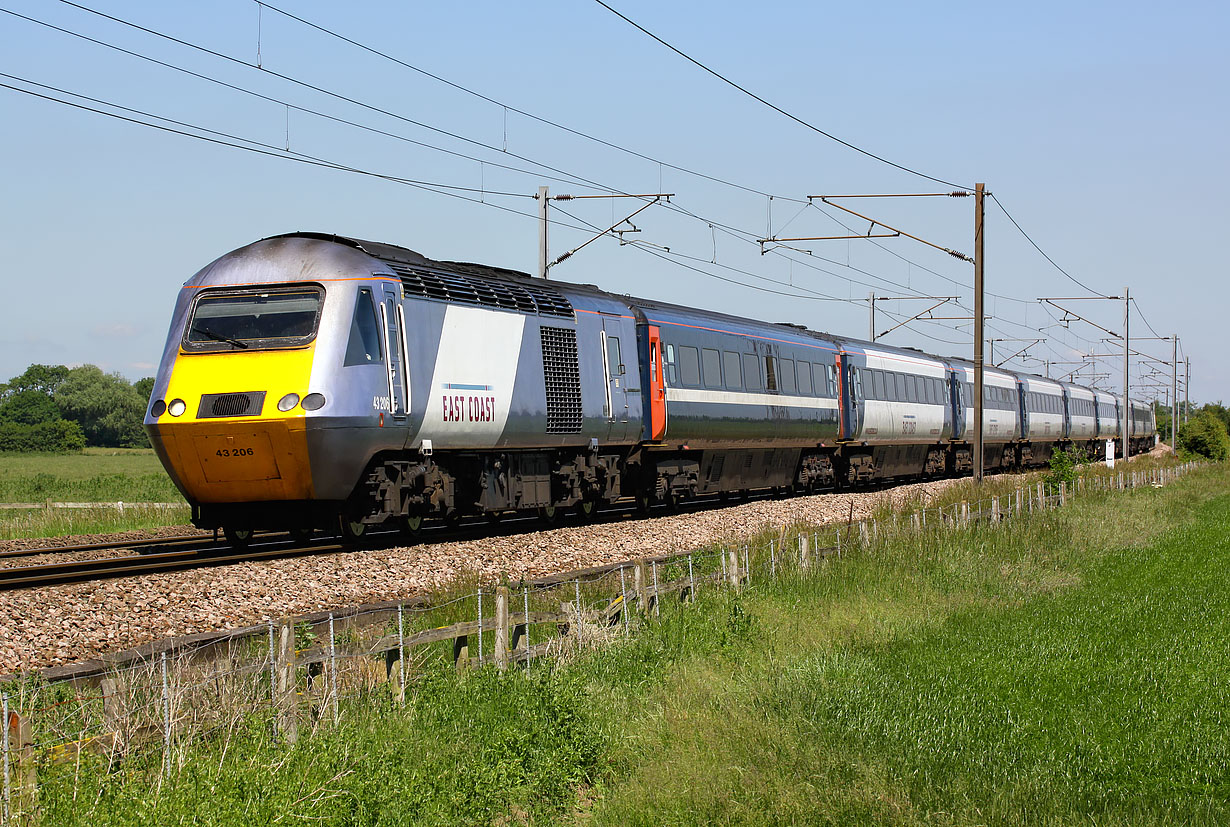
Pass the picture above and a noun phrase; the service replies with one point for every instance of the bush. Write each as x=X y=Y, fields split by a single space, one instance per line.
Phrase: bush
x=1063 y=469
x=1205 y=435
x=58 y=436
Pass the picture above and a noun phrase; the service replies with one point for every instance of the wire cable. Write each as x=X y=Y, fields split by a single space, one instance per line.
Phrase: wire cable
x=511 y=108
x=777 y=108
x=1020 y=229
x=280 y=101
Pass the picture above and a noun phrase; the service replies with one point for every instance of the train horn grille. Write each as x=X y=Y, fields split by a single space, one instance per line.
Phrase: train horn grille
x=214 y=405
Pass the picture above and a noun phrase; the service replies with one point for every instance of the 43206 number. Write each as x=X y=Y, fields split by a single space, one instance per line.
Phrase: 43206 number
x=234 y=452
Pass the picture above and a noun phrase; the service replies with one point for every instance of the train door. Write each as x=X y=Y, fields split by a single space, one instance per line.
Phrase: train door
x=393 y=328
x=657 y=387
x=956 y=397
x=616 y=374
x=850 y=397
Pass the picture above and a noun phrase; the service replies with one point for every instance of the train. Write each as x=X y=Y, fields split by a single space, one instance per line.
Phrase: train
x=312 y=382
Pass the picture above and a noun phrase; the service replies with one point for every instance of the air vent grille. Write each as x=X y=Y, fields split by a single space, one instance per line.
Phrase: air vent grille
x=563 y=380
x=215 y=405
x=483 y=292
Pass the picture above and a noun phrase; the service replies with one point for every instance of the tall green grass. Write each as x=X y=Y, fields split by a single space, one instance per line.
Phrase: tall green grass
x=97 y=475
x=1068 y=667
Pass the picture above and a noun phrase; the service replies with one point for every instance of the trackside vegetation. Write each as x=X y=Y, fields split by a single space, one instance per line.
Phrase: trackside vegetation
x=1066 y=667
x=102 y=475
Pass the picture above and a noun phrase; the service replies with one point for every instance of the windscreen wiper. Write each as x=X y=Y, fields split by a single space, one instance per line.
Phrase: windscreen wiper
x=218 y=337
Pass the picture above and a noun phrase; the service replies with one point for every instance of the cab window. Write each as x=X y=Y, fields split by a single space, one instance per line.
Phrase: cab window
x=260 y=319
x=364 y=345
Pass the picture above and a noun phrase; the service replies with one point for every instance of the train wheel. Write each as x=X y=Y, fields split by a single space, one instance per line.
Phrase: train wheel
x=643 y=502
x=549 y=514
x=494 y=517
x=587 y=510
x=411 y=526
x=237 y=537
x=301 y=535
x=352 y=531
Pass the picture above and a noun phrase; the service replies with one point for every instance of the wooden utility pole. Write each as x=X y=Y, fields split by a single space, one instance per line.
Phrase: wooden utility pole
x=1187 y=380
x=1174 y=395
x=1127 y=366
x=979 y=262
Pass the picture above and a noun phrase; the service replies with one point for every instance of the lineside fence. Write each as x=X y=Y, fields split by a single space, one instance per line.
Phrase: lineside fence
x=292 y=675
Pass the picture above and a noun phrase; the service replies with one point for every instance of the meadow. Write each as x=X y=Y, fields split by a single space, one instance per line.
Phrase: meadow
x=96 y=475
x=1067 y=667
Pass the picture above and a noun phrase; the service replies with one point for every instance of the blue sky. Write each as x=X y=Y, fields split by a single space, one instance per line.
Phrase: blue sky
x=1101 y=127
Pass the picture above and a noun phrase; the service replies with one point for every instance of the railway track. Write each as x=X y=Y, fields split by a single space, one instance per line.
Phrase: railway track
x=181 y=540
x=168 y=554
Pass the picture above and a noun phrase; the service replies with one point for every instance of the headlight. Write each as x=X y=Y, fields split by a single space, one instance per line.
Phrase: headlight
x=287 y=402
x=313 y=401
x=160 y=407
x=177 y=407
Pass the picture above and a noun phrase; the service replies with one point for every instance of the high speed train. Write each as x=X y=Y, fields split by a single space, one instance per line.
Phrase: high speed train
x=312 y=381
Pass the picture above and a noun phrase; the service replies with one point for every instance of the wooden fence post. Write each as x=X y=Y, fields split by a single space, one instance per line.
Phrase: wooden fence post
x=21 y=749
x=804 y=553
x=638 y=586
x=995 y=509
x=732 y=569
x=115 y=711
x=288 y=688
x=501 y=627
x=1063 y=493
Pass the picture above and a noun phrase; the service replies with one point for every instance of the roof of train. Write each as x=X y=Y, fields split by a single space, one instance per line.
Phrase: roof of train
x=405 y=257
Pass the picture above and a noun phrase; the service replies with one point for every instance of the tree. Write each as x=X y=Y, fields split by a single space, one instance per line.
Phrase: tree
x=29 y=407
x=109 y=410
x=44 y=379
x=144 y=388
x=1205 y=434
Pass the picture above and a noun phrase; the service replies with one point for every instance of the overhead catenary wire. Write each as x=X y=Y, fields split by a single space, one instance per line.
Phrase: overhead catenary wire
x=247 y=144
x=283 y=102
x=508 y=107
x=1045 y=255
x=572 y=178
x=775 y=107
x=746 y=235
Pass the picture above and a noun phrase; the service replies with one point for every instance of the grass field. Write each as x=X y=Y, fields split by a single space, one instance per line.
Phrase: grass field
x=97 y=475
x=1068 y=669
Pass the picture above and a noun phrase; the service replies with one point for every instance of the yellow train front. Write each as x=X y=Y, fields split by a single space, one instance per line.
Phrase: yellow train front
x=274 y=363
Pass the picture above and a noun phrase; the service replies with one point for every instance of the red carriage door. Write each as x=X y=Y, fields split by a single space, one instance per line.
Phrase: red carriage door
x=657 y=388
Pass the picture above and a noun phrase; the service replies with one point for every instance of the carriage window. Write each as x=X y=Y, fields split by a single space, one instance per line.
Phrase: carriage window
x=672 y=369
x=712 y=366
x=830 y=374
x=877 y=384
x=770 y=373
x=805 y=378
x=689 y=366
x=364 y=345
x=751 y=372
x=786 y=376
x=734 y=371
